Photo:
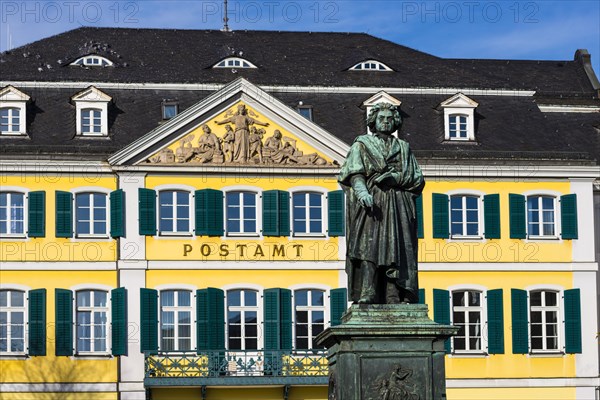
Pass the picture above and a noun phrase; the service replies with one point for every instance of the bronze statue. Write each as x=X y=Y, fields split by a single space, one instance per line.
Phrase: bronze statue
x=241 y=143
x=381 y=179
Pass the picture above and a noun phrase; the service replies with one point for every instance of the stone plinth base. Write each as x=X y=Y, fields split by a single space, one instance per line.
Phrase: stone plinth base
x=386 y=352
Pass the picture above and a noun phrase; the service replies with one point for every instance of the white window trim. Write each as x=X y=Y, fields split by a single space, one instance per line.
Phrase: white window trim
x=259 y=221
x=459 y=104
x=227 y=60
x=91 y=189
x=370 y=61
x=165 y=104
x=259 y=315
x=91 y=97
x=326 y=308
x=480 y=214
x=557 y=215
x=76 y=288
x=25 y=290
x=11 y=97
x=85 y=61
x=561 y=319
x=191 y=221
x=25 y=193
x=324 y=213
x=484 y=322
x=193 y=321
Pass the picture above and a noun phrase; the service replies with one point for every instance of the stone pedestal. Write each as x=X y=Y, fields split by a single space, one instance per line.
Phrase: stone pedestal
x=386 y=352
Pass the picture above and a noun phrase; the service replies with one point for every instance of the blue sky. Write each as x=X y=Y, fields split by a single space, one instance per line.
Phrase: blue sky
x=540 y=30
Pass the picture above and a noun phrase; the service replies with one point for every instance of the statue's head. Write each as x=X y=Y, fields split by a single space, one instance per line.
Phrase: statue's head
x=241 y=109
x=206 y=128
x=384 y=118
x=277 y=134
x=228 y=128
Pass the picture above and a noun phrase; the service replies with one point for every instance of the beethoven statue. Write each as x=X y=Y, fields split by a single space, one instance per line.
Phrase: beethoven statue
x=381 y=179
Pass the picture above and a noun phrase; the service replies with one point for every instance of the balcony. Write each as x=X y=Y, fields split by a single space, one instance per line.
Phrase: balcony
x=236 y=368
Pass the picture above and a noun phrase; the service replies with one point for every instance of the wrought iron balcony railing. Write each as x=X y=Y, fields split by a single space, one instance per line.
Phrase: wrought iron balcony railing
x=236 y=367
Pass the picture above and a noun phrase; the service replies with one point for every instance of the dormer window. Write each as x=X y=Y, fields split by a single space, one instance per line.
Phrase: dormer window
x=234 y=62
x=459 y=118
x=13 y=105
x=169 y=110
x=91 y=109
x=93 y=61
x=370 y=65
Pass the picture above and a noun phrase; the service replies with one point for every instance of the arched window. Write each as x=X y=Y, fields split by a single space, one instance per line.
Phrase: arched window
x=175 y=320
x=12 y=321
x=544 y=317
x=458 y=127
x=541 y=216
x=307 y=213
x=91 y=321
x=234 y=62
x=91 y=214
x=242 y=319
x=370 y=65
x=93 y=61
x=12 y=213
x=465 y=216
x=174 y=212
x=241 y=213
x=91 y=121
x=309 y=308
x=467 y=315
x=10 y=120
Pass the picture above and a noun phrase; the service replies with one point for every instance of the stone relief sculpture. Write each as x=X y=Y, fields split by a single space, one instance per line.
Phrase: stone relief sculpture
x=242 y=142
x=397 y=386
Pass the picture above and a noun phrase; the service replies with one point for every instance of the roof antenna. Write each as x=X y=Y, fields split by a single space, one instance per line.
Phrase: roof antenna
x=225 y=18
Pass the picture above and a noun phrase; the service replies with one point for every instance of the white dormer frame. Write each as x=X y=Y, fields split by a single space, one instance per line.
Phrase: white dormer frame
x=370 y=65
x=234 y=62
x=459 y=104
x=380 y=97
x=13 y=98
x=91 y=98
x=92 y=60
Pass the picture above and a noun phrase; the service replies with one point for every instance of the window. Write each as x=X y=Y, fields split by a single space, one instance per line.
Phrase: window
x=91 y=121
x=305 y=111
x=12 y=214
x=12 y=321
x=241 y=212
x=175 y=320
x=458 y=126
x=174 y=212
x=10 y=120
x=242 y=319
x=544 y=317
x=467 y=315
x=370 y=65
x=459 y=118
x=91 y=110
x=309 y=316
x=234 y=62
x=91 y=323
x=541 y=213
x=464 y=216
x=93 y=61
x=91 y=214
x=169 y=110
x=307 y=213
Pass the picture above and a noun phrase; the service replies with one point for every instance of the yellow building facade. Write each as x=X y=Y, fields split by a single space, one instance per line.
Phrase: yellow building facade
x=179 y=268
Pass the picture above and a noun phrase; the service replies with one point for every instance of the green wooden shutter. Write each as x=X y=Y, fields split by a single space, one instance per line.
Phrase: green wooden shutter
x=285 y=296
x=117 y=213
x=118 y=298
x=336 y=213
x=422 y=296
x=63 y=328
x=441 y=228
x=441 y=310
x=419 y=208
x=210 y=319
x=338 y=302
x=568 y=216
x=209 y=212
x=64 y=214
x=149 y=320
x=36 y=207
x=495 y=316
x=147 y=211
x=276 y=213
x=491 y=212
x=520 y=321
x=271 y=319
x=572 y=321
x=37 y=322
x=516 y=207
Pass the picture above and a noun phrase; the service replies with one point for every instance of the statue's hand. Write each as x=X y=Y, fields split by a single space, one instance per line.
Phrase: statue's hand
x=365 y=199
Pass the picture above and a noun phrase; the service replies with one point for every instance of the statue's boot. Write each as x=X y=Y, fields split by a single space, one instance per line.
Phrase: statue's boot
x=367 y=290
x=392 y=292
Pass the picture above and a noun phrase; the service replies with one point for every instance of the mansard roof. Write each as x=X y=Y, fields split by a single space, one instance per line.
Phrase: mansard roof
x=282 y=58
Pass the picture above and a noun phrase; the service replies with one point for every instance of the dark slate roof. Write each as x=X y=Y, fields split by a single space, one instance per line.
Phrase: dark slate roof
x=283 y=58
x=507 y=128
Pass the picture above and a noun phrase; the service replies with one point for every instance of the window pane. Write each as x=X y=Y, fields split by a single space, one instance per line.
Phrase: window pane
x=301 y=297
x=4 y=298
x=536 y=298
x=317 y=298
x=167 y=298
x=458 y=298
x=16 y=299
x=233 y=298
x=249 y=298
x=551 y=298
x=83 y=298
x=100 y=299
x=183 y=297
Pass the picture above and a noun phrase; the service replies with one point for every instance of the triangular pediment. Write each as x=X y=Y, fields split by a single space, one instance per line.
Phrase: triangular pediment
x=91 y=94
x=239 y=125
x=381 y=97
x=11 y=93
x=459 y=100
